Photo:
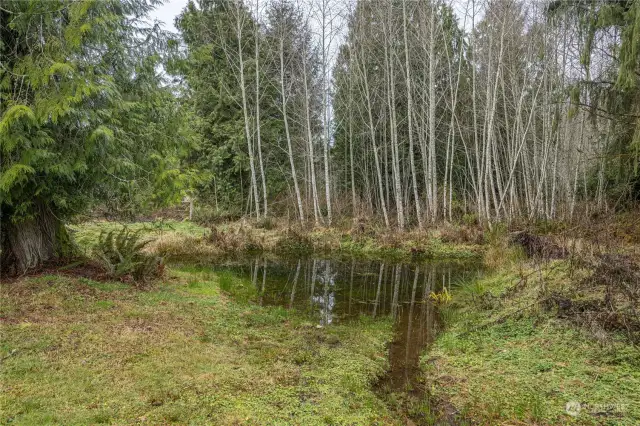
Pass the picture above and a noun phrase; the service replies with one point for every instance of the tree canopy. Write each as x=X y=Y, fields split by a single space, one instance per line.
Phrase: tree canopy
x=84 y=117
x=411 y=112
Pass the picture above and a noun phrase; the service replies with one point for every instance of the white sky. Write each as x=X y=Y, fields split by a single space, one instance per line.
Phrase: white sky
x=168 y=12
x=172 y=8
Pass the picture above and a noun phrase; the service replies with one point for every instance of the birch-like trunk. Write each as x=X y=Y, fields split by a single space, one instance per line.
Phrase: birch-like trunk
x=258 y=118
x=245 y=112
x=391 y=99
x=312 y=166
x=433 y=175
x=294 y=176
x=372 y=135
x=416 y=198
x=325 y=108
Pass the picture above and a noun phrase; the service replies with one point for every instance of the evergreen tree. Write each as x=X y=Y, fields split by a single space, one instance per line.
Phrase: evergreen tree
x=609 y=31
x=210 y=71
x=82 y=115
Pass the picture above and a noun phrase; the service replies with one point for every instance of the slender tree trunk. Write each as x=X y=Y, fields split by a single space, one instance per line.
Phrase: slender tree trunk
x=245 y=112
x=325 y=109
x=288 y=135
x=258 y=138
x=372 y=134
x=414 y=181
x=312 y=166
x=391 y=99
x=432 y=117
x=353 y=177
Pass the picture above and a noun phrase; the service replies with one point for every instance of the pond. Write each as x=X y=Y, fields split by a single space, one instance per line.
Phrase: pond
x=330 y=291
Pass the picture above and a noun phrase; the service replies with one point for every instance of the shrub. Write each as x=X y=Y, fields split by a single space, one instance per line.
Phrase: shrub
x=363 y=227
x=207 y=215
x=294 y=242
x=538 y=246
x=462 y=234
x=606 y=301
x=241 y=240
x=500 y=253
x=470 y=219
x=121 y=253
x=266 y=223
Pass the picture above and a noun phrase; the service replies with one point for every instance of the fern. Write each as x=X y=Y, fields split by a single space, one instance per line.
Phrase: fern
x=122 y=255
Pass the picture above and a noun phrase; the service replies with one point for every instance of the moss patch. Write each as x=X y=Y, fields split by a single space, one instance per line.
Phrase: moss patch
x=76 y=351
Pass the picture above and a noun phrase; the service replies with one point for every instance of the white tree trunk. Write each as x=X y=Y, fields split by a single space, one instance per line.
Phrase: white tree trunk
x=288 y=135
x=245 y=112
x=416 y=198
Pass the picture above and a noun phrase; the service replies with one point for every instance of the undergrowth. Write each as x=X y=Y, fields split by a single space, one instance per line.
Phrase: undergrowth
x=122 y=256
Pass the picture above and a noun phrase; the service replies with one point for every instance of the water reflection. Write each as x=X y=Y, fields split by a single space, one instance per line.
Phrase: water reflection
x=332 y=291
x=329 y=290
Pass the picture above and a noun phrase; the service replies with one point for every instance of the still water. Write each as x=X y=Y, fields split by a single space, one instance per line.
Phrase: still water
x=332 y=291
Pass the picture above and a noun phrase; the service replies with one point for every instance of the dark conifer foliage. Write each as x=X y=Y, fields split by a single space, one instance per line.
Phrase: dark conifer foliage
x=84 y=119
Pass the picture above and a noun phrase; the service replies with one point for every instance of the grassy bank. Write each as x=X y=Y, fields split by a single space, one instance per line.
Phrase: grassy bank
x=519 y=343
x=524 y=341
x=179 y=240
x=78 y=351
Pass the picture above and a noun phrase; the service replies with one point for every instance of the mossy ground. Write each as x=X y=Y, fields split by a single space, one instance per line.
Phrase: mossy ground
x=77 y=351
x=504 y=359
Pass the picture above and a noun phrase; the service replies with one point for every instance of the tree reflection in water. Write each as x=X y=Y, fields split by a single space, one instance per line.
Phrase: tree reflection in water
x=330 y=291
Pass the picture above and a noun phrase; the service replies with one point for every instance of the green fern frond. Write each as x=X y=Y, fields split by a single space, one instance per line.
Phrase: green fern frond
x=121 y=254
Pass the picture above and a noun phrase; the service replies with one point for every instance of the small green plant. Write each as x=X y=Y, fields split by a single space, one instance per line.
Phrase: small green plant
x=442 y=297
x=449 y=314
x=121 y=253
x=470 y=219
x=225 y=281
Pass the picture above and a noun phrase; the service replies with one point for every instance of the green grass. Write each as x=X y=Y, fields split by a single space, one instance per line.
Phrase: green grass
x=76 y=351
x=195 y=350
x=86 y=234
x=504 y=359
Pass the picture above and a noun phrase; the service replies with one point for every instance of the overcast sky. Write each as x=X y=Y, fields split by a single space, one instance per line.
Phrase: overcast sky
x=172 y=8
x=168 y=12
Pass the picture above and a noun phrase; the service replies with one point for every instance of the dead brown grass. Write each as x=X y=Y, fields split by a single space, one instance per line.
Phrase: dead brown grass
x=461 y=234
x=175 y=245
x=604 y=302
